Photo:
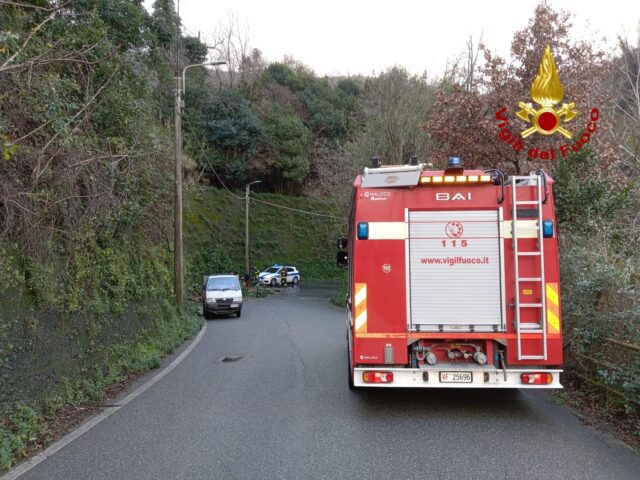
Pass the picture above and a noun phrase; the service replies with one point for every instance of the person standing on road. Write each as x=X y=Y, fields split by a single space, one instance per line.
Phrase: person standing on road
x=283 y=276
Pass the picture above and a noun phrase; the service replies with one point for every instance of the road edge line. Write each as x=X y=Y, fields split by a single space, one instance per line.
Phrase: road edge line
x=88 y=425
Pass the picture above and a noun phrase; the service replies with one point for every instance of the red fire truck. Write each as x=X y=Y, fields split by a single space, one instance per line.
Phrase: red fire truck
x=453 y=279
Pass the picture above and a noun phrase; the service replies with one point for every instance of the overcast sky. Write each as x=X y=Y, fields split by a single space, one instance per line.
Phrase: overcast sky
x=360 y=37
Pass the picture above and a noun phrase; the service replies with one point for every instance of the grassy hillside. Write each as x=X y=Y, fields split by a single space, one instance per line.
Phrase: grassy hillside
x=214 y=228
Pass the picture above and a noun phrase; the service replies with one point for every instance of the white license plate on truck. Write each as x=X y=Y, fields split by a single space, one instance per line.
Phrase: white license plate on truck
x=456 y=377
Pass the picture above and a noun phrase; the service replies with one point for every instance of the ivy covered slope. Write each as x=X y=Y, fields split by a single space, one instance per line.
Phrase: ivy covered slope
x=215 y=230
x=85 y=183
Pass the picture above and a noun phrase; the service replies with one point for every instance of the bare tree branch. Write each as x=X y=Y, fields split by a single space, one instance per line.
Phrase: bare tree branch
x=35 y=30
x=24 y=5
x=231 y=45
x=38 y=63
x=472 y=61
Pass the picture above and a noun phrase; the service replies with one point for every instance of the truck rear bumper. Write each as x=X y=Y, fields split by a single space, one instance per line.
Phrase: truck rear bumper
x=481 y=377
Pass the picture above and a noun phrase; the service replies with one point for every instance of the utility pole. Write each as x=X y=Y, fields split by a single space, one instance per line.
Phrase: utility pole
x=246 y=226
x=177 y=217
x=177 y=214
x=178 y=279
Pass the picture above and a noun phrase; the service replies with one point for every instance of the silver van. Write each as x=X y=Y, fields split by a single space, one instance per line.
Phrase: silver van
x=222 y=294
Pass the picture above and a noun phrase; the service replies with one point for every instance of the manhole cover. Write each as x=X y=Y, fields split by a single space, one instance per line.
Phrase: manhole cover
x=231 y=359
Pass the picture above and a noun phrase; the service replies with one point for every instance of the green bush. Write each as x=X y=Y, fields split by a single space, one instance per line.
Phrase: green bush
x=6 y=450
x=21 y=427
x=600 y=274
x=340 y=298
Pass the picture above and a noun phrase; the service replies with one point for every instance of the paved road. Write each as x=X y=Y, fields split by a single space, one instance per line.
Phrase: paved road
x=285 y=412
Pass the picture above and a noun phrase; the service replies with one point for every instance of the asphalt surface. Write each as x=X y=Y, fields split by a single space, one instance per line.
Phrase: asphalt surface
x=284 y=411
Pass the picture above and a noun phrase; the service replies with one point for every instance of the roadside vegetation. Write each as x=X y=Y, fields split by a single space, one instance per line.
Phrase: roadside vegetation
x=215 y=230
x=86 y=186
x=600 y=265
x=31 y=423
x=597 y=194
x=85 y=195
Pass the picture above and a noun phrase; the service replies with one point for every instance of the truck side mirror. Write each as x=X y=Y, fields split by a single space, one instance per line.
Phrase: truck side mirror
x=342 y=243
x=342 y=259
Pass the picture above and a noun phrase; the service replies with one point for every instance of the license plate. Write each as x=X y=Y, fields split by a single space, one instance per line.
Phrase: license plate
x=234 y=305
x=456 y=377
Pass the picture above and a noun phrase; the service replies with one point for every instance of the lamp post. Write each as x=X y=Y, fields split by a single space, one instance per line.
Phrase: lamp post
x=177 y=213
x=246 y=225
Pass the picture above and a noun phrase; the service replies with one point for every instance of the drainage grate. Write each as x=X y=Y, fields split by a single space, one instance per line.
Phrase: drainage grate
x=231 y=358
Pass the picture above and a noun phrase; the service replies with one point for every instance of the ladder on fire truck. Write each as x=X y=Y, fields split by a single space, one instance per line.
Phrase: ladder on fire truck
x=523 y=183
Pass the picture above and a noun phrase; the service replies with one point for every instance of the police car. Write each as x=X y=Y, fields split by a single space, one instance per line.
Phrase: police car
x=273 y=275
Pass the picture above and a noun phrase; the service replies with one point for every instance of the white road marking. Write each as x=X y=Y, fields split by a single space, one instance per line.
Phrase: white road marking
x=85 y=427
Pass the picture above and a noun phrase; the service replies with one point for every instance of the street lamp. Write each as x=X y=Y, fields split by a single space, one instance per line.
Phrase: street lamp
x=246 y=225
x=177 y=214
x=205 y=64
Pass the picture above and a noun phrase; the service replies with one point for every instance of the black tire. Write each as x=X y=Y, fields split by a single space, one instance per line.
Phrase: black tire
x=238 y=313
x=273 y=282
x=295 y=280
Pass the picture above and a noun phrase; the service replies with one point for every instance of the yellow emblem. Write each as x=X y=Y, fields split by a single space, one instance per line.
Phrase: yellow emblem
x=547 y=91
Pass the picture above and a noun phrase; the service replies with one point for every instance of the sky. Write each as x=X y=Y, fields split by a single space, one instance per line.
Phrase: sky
x=351 y=37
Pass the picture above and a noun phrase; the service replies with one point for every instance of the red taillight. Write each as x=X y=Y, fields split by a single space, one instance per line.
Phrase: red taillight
x=377 y=377
x=536 y=378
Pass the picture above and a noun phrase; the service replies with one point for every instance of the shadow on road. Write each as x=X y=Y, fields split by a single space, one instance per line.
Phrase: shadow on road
x=456 y=403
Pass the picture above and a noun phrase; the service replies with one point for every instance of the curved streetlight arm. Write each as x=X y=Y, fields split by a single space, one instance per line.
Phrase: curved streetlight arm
x=204 y=64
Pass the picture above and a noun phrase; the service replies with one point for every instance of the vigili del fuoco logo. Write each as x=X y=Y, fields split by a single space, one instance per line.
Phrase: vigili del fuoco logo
x=545 y=118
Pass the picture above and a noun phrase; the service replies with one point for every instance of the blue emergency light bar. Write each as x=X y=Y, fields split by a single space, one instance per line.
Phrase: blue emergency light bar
x=363 y=231
x=454 y=162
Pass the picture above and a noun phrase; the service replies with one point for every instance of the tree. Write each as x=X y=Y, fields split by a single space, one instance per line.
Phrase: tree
x=234 y=129
x=165 y=22
x=194 y=50
x=284 y=75
x=128 y=21
x=234 y=126
x=231 y=45
x=393 y=107
x=464 y=117
x=287 y=141
x=626 y=105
